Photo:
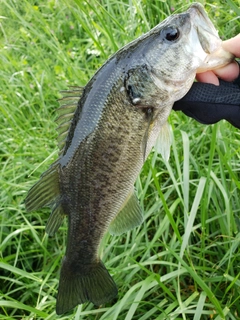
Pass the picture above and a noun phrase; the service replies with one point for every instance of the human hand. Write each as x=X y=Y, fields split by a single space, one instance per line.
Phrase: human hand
x=210 y=100
x=229 y=72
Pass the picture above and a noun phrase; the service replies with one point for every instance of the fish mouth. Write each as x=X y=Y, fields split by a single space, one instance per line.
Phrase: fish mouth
x=209 y=40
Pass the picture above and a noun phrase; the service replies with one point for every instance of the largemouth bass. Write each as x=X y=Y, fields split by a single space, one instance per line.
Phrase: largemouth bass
x=105 y=138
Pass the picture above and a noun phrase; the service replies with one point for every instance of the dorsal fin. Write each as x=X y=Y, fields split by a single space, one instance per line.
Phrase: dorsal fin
x=68 y=106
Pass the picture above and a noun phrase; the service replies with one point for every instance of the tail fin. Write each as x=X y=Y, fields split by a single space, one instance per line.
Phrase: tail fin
x=78 y=285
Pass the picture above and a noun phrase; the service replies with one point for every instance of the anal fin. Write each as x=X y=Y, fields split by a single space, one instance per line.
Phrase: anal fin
x=129 y=216
x=55 y=220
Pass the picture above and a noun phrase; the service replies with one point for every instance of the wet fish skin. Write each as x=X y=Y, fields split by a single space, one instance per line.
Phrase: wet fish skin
x=116 y=123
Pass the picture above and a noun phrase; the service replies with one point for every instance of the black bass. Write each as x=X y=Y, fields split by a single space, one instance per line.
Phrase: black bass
x=105 y=138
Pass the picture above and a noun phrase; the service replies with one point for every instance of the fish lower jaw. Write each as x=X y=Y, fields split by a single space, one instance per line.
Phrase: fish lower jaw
x=217 y=59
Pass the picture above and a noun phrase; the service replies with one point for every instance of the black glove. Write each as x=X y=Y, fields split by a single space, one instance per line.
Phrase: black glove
x=209 y=104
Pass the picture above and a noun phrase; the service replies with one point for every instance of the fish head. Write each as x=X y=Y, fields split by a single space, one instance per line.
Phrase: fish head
x=181 y=46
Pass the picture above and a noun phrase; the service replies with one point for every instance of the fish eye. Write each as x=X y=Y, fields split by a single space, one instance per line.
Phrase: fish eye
x=171 y=34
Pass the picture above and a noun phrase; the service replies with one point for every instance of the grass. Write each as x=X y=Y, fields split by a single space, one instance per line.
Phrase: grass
x=183 y=262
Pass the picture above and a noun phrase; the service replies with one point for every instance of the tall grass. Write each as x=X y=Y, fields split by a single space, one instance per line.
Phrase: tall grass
x=184 y=261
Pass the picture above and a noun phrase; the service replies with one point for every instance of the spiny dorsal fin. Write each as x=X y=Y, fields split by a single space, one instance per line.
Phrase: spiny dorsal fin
x=69 y=103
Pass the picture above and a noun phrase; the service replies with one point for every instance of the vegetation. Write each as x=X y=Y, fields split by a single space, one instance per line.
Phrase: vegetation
x=184 y=261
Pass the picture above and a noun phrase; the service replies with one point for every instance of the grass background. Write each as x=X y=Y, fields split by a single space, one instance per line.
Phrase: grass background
x=184 y=261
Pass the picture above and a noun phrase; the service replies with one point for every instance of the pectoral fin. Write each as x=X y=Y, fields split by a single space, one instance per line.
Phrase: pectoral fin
x=164 y=141
x=129 y=216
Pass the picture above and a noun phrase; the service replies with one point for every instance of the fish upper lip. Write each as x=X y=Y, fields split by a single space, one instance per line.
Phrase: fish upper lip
x=197 y=11
x=204 y=28
x=208 y=39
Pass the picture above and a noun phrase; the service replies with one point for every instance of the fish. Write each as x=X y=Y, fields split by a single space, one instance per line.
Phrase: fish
x=106 y=131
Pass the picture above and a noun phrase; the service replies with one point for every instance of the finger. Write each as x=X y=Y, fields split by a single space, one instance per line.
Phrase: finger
x=229 y=72
x=233 y=45
x=208 y=77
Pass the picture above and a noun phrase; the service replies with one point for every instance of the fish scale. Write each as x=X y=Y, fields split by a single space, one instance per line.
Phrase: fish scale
x=121 y=114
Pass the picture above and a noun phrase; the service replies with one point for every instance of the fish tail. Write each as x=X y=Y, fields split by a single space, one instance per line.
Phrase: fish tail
x=80 y=284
